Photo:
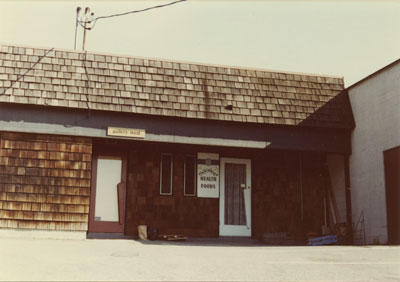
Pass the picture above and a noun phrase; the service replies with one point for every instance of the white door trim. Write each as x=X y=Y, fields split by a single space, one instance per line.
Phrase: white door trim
x=235 y=230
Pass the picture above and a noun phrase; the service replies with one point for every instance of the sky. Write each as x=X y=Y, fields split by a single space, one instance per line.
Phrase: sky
x=346 y=38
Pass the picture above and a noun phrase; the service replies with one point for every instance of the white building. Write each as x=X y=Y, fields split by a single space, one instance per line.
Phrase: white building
x=374 y=163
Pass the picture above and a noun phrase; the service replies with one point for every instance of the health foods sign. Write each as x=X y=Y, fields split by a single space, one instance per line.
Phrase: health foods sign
x=207 y=175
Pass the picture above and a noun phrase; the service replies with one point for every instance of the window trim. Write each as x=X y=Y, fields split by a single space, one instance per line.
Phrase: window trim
x=194 y=176
x=172 y=174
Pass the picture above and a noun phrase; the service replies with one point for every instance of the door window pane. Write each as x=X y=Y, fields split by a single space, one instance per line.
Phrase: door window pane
x=235 y=181
x=108 y=177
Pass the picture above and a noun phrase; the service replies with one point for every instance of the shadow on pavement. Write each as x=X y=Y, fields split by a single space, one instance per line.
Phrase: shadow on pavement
x=218 y=242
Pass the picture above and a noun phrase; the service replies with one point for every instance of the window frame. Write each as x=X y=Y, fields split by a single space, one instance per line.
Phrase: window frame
x=194 y=176
x=172 y=174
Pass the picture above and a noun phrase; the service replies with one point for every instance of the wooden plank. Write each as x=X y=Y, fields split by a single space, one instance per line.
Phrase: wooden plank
x=12 y=223
x=332 y=206
x=27 y=224
x=6 y=187
x=325 y=240
x=28 y=215
x=3 y=223
x=12 y=206
x=172 y=237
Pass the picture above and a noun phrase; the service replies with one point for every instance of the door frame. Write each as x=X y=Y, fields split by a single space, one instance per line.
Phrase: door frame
x=234 y=230
x=108 y=226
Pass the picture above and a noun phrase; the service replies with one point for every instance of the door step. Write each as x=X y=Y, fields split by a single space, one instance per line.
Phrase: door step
x=101 y=235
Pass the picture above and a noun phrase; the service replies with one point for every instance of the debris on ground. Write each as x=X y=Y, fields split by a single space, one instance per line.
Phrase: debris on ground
x=324 y=240
x=172 y=237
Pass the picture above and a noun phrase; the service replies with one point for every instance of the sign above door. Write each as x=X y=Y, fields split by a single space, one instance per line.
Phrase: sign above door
x=126 y=132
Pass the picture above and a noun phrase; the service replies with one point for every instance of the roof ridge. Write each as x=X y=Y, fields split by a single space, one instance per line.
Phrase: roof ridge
x=176 y=61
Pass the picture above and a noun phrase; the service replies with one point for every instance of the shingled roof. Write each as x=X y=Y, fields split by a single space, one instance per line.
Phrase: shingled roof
x=59 y=78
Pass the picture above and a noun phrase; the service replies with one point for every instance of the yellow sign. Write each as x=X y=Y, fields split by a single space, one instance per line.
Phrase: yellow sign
x=126 y=132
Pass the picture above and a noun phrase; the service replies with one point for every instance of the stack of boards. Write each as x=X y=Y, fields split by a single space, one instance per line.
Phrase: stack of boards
x=172 y=237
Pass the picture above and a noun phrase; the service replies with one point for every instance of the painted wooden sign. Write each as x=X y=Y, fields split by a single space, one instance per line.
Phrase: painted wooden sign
x=126 y=132
x=207 y=175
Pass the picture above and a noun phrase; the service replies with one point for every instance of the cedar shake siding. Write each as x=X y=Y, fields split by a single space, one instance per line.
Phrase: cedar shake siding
x=81 y=80
x=171 y=214
x=282 y=180
x=277 y=176
x=44 y=181
x=57 y=107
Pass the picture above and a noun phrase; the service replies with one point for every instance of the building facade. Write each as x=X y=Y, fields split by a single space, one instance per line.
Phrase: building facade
x=98 y=143
x=374 y=163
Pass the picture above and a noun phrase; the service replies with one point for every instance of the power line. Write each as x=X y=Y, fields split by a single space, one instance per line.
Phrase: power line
x=28 y=70
x=86 y=81
x=94 y=21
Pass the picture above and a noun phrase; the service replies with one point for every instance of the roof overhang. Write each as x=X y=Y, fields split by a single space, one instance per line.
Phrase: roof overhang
x=45 y=120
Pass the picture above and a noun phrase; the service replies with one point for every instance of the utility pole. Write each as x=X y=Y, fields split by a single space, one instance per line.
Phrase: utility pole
x=78 y=10
x=86 y=19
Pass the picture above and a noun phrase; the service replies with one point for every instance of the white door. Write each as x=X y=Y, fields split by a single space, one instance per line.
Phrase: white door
x=108 y=195
x=235 y=197
x=108 y=177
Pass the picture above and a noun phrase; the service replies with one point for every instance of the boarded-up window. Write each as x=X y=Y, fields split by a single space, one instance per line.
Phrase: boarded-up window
x=190 y=176
x=166 y=174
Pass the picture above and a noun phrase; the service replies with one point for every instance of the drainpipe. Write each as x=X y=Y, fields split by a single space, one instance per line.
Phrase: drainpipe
x=348 y=197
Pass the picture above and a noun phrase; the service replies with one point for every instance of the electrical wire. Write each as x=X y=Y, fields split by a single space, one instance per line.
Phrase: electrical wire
x=94 y=21
x=38 y=61
x=86 y=81
x=28 y=70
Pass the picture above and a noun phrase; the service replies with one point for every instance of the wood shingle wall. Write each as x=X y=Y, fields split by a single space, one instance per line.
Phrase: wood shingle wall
x=287 y=184
x=171 y=214
x=71 y=79
x=281 y=182
x=44 y=181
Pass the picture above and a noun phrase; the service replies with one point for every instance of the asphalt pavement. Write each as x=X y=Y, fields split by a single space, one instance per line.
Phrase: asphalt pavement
x=27 y=259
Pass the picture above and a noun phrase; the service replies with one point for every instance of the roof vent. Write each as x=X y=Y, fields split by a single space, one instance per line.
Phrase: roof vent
x=229 y=107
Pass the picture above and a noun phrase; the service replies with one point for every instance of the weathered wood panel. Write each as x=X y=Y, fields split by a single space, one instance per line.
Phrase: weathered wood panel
x=44 y=181
x=288 y=192
x=277 y=176
x=171 y=214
